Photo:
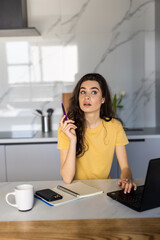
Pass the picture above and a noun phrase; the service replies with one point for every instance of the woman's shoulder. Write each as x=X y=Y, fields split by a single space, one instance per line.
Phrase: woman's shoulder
x=113 y=121
x=113 y=124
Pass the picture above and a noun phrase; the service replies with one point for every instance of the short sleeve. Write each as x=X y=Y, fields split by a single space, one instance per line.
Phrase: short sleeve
x=121 y=138
x=63 y=141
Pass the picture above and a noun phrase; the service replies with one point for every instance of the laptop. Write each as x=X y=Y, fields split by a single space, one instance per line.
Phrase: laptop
x=146 y=196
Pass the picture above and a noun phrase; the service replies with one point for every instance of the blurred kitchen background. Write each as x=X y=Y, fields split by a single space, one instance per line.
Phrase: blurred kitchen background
x=115 y=38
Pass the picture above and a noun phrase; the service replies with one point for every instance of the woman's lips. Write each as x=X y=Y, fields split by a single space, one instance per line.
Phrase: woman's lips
x=87 y=104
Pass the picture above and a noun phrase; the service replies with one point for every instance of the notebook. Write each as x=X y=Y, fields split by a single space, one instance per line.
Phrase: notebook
x=72 y=192
x=146 y=196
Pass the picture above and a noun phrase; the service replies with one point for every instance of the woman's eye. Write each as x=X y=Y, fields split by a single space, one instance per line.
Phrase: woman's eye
x=94 y=92
x=82 y=92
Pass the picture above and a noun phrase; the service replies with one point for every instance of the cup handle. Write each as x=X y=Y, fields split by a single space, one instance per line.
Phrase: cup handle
x=7 y=195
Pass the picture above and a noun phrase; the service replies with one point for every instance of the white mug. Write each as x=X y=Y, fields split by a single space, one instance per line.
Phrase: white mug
x=24 y=197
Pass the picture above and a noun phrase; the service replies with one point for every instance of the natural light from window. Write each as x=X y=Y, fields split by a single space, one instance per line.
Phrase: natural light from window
x=28 y=63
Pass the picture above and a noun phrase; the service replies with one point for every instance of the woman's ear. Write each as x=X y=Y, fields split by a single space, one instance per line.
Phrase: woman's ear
x=103 y=100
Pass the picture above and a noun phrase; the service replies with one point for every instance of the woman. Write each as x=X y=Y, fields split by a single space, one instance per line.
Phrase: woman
x=90 y=135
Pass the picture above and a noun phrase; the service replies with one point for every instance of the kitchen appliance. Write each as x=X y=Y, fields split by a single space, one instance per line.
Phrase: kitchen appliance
x=13 y=19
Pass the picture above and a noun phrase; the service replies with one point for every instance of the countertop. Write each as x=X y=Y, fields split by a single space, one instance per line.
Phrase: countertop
x=38 y=137
x=95 y=207
x=97 y=217
x=152 y=132
x=51 y=137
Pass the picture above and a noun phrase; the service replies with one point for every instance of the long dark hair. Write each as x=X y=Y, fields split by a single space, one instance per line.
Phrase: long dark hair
x=76 y=114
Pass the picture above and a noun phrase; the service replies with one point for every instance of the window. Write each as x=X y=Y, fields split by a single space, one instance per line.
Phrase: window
x=40 y=63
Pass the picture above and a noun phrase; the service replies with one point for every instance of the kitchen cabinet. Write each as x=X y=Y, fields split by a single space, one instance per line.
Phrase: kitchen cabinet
x=114 y=173
x=39 y=158
x=139 y=152
x=32 y=162
x=2 y=164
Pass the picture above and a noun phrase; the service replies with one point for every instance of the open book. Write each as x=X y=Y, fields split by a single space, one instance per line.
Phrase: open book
x=72 y=192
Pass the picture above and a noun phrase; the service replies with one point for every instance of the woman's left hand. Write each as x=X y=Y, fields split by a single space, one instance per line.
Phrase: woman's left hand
x=127 y=185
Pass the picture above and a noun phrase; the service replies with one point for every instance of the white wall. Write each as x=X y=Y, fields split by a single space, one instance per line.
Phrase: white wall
x=112 y=37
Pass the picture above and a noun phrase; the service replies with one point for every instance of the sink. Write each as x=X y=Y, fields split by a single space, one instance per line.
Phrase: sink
x=17 y=134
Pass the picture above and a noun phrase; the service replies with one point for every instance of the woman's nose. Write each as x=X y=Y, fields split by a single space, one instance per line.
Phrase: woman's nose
x=87 y=95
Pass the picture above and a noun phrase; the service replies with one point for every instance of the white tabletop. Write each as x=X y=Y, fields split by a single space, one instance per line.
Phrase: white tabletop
x=95 y=207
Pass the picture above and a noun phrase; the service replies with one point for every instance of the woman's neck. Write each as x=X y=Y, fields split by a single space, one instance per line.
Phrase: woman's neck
x=92 y=121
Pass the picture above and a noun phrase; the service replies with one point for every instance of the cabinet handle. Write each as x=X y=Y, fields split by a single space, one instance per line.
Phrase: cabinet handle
x=137 y=140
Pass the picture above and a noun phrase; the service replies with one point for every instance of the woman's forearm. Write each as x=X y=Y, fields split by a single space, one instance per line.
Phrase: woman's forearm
x=126 y=173
x=69 y=166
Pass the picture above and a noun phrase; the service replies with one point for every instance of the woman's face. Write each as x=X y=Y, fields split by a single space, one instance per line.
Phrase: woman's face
x=90 y=96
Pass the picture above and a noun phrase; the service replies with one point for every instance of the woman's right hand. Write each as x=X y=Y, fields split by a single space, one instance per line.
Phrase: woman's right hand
x=68 y=128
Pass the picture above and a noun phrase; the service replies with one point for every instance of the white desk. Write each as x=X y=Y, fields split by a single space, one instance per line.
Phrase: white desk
x=96 y=207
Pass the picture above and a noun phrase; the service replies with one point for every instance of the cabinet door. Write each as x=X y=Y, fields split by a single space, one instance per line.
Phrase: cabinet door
x=114 y=173
x=32 y=162
x=2 y=164
x=139 y=152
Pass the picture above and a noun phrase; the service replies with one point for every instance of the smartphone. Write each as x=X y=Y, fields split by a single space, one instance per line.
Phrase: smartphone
x=64 y=112
x=48 y=195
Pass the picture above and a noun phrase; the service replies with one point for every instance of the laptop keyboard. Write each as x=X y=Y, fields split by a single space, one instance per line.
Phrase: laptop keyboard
x=133 y=198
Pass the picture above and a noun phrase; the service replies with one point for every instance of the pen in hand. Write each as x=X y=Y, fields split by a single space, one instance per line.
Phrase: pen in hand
x=64 y=112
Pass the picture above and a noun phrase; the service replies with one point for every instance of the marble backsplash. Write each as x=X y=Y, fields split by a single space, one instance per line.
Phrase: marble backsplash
x=114 y=38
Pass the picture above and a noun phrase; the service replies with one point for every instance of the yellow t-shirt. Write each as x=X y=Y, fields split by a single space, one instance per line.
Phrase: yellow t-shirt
x=97 y=160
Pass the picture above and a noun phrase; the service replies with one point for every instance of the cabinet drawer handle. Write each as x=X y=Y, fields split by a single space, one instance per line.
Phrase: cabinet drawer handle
x=137 y=140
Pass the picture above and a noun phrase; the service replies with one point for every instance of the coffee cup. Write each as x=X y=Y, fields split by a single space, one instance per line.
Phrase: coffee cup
x=24 y=197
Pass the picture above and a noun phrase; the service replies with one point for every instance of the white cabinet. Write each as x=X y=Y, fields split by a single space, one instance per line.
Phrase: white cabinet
x=114 y=173
x=41 y=161
x=31 y=162
x=139 y=152
x=2 y=164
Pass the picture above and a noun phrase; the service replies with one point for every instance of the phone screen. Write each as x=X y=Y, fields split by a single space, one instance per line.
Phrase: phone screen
x=48 y=195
